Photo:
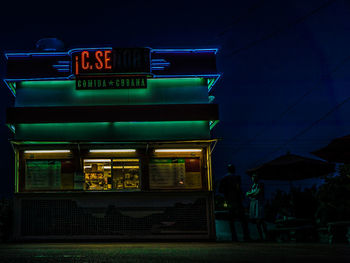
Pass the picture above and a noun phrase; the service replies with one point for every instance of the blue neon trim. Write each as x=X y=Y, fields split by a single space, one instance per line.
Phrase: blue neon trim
x=208 y=50
x=50 y=54
x=12 y=128
x=38 y=79
x=8 y=86
x=72 y=76
x=161 y=63
x=60 y=66
x=158 y=60
x=215 y=76
x=65 y=62
x=46 y=54
x=211 y=85
x=158 y=68
x=189 y=76
x=91 y=48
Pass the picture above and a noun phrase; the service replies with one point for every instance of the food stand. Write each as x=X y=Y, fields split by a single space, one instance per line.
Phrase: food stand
x=113 y=143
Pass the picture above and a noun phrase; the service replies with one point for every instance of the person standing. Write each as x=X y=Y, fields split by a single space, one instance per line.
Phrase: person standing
x=256 y=208
x=230 y=186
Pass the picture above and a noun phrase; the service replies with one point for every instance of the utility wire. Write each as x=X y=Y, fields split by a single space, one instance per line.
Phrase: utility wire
x=306 y=129
x=301 y=19
x=290 y=107
x=278 y=31
x=250 y=10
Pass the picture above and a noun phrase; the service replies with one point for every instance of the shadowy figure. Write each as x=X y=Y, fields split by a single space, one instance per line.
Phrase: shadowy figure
x=256 y=208
x=230 y=186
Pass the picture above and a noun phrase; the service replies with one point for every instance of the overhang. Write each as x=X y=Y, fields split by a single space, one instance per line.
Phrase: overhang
x=120 y=113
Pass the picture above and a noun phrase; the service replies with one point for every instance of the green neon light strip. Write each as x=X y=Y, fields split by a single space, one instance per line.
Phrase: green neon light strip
x=211 y=82
x=158 y=91
x=114 y=131
x=151 y=81
x=11 y=127
x=80 y=126
x=99 y=142
x=12 y=86
x=162 y=81
x=212 y=124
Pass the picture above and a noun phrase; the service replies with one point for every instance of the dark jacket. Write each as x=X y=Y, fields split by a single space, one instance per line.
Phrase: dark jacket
x=230 y=186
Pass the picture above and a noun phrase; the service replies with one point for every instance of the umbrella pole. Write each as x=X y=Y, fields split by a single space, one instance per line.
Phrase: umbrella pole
x=291 y=197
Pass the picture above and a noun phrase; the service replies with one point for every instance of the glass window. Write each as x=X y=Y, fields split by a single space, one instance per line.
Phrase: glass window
x=97 y=174
x=175 y=173
x=111 y=174
x=47 y=170
x=43 y=175
x=126 y=174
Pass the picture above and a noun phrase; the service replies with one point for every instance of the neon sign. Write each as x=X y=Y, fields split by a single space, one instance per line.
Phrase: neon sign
x=111 y=82
x=111 y=61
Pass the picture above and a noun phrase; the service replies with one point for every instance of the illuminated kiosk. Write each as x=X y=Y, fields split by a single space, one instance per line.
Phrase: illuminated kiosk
x=113 y=143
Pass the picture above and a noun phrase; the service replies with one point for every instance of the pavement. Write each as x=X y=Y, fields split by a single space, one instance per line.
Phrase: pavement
x=178 y=252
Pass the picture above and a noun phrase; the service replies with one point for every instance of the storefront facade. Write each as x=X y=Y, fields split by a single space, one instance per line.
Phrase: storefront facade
x=113 y=143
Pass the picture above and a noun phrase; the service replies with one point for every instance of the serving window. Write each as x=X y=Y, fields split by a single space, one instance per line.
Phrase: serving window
x=112 y=169
x=175 y=173
x=47 y=170
x=176 y=169
x=111 y=174
x=126 y=174
x=97 y=174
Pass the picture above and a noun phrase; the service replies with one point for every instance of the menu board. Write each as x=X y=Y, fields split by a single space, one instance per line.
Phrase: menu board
x=43 y=174
x=165 y=172
x=174 y=173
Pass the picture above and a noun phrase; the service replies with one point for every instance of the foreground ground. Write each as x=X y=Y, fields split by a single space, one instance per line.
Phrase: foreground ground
x=173 y=252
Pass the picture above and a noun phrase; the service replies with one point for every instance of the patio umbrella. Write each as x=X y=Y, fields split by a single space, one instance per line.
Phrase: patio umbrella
x=338 y=150
x=291 y=167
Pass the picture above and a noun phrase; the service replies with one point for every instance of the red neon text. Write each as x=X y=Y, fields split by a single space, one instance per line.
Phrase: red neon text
x=93 y=61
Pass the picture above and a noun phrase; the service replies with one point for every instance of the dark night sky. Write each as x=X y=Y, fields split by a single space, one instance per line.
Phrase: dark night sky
x=275 y=56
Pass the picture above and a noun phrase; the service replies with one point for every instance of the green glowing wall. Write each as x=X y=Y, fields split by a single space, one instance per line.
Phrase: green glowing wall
x=159 y=91
x=119 y=131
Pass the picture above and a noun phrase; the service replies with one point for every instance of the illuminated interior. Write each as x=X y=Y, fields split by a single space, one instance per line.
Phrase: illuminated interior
x=97 y=174
x=111 y=174
x=113 y=169
x=126 y=174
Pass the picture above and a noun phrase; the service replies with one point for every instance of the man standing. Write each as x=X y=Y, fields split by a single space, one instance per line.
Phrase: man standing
x=230 y=186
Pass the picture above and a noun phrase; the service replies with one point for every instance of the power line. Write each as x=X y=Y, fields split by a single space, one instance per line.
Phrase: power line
x=250 y=10
x=290 y=107
x=254 y=43
x=307 y=128
x=278 y=31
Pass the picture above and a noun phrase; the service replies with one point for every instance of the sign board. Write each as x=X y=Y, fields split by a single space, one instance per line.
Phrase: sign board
x=166 y=172
x=111 y=61
x=43 y=174
x=111 y=82
x=175 y=173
